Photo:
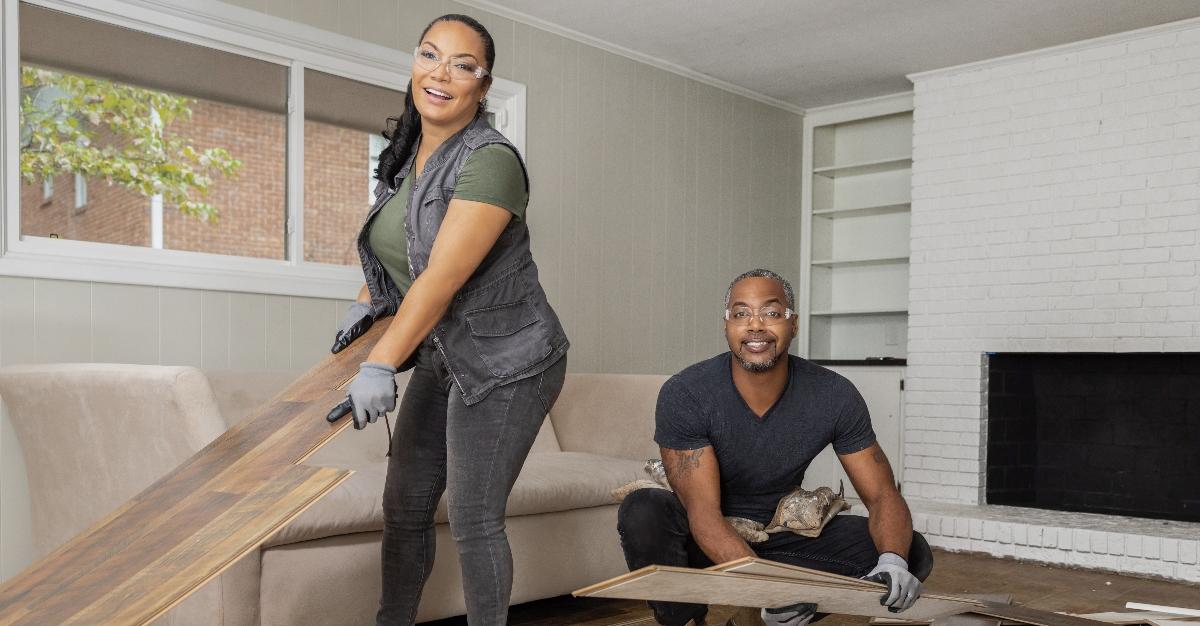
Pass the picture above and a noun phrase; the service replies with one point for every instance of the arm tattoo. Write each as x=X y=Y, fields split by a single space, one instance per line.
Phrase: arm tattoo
x=680 y=463
x=879 y=457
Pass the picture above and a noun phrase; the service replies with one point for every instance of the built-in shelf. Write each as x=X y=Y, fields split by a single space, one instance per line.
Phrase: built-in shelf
x=833 y=313
x=865 y=167
x=857 y=203
x=862 y=261
x=862 y=211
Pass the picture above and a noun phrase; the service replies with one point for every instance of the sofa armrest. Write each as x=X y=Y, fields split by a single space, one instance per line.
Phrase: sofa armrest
x=608 y=414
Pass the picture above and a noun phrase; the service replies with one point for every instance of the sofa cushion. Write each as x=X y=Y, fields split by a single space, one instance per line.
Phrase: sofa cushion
x=549 y=482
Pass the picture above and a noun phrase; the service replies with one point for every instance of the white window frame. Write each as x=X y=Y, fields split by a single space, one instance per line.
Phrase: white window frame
x=240 y=31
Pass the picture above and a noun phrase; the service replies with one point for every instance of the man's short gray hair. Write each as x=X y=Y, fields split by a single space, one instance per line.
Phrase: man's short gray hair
x=762 y=273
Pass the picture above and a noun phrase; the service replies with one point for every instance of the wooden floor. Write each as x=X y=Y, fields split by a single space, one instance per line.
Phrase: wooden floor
x=1033 y=585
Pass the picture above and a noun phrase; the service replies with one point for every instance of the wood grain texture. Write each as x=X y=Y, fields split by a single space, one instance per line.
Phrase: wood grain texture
x=188 y=526
x=1035 y=617
x=680 y=584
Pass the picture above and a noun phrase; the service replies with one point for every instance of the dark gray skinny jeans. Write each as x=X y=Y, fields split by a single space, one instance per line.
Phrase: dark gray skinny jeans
x=474 y=453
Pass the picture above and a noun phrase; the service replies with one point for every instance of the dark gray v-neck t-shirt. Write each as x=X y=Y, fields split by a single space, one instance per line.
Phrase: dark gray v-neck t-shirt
x=761 y=459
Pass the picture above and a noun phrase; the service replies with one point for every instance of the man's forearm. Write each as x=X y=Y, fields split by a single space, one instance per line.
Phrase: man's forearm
x=890 y=523
x=719 y=541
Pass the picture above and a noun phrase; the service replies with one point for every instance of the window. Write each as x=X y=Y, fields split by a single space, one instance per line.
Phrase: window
x=210 y=148
x=342 y=123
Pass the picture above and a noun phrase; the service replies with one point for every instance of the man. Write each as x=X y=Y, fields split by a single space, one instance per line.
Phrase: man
x=736 y=433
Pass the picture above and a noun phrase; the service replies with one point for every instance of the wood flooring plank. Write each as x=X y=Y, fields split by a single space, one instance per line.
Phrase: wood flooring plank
x=186 y=527
x=679 y=584
x=212 y=548
x=1035 y=617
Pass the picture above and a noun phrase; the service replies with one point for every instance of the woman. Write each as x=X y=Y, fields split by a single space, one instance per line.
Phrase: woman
x=446 y=249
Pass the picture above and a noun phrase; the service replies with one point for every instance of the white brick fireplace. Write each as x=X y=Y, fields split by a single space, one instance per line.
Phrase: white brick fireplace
x=1055 y=208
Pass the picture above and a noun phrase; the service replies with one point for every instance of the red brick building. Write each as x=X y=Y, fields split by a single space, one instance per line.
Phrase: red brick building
x=251 y=205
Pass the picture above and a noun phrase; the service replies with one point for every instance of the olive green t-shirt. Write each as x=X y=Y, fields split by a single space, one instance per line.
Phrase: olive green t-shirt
x=492 y=174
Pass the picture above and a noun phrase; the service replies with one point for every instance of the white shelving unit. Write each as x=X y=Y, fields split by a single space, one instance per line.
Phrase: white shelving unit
x=857 y=168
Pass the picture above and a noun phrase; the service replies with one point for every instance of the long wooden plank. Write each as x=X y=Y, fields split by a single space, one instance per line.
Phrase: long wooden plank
x=189 y=525
x=680 y=584
x=1035 y=617
x=753 y=566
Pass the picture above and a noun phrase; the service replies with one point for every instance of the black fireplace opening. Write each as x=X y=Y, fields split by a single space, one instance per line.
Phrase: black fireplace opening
x=1095 y=432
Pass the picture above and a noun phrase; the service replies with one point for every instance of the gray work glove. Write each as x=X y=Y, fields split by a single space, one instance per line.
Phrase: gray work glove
x=357 y=320
x=793 y=615
x=372 y=393
x=903 y=587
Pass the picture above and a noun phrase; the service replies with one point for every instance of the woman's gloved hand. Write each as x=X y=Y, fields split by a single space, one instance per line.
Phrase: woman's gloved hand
x=903 y=587
x=793 y=615
x=372 y=393
x=357 y=320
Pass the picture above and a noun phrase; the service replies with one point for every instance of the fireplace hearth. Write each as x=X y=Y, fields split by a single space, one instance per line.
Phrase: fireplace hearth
x=1100 y=433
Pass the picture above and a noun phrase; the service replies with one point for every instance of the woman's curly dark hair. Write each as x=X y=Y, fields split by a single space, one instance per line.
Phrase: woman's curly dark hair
x=402 y=131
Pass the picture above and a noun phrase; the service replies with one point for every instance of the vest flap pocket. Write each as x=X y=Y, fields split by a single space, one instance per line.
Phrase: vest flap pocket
x=501 y=321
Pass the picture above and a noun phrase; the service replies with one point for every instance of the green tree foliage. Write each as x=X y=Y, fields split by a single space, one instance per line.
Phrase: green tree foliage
x=100 y=129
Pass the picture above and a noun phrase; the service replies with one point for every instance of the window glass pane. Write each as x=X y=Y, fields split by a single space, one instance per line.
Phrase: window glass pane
x=123 y=124
x=343 y=120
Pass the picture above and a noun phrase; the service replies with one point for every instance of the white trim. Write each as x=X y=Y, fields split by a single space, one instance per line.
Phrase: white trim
x=574 y=35
x=10 y=131
x=1141 y=33
x=241 y=31
x=859 y=109
x=293 y=226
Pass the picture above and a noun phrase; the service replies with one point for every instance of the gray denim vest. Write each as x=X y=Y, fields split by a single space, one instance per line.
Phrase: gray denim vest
x=499 y=327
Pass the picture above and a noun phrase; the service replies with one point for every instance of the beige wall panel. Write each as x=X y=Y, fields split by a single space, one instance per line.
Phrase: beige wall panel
x=18 y=320
x=214 y=330
x=351 y=17
x=279 y=332
x=546 y=101
x=180 y=329
x=124 y=324
x=64 y=321
x=247 y=331
x=381 y=23
x=319 y=13
x=313 y=324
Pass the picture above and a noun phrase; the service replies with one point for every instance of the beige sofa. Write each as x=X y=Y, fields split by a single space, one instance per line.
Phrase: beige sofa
x=94 y=435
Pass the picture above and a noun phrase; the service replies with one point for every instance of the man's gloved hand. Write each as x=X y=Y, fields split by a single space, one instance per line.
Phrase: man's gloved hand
x=357 y=320
x=372 y=393
x=793 y=615
x=903 y=587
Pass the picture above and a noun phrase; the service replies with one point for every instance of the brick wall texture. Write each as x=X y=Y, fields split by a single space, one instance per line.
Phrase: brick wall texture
x=252 y=205
x=1056 y=206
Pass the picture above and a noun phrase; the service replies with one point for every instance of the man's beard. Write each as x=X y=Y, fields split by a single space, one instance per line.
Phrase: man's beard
x=757 y=368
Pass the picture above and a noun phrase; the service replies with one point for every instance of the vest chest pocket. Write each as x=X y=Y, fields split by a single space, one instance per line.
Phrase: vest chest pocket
x=510 y=338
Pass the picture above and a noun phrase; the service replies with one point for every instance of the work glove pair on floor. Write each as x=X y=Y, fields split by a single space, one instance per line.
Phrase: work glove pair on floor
x=891 y=570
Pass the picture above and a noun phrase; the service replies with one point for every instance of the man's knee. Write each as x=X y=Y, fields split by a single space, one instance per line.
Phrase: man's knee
x=920 y=556
x=648 y=514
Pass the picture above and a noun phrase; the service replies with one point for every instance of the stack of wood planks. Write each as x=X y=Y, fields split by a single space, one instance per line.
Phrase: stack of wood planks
x=757 y=582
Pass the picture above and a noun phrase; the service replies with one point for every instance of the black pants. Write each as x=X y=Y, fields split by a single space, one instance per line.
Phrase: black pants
x=654 y=531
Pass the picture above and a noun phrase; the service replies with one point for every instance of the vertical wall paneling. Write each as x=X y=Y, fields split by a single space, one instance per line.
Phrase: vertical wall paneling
x=247 y=331
x=125 y=324
x=313 y=324
x=63 y=311
x=278 y=332
x=214 y=329
x=180 y=337
x=18 y=321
